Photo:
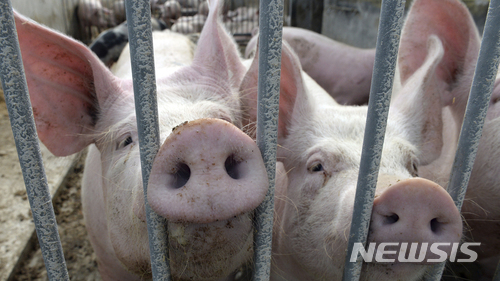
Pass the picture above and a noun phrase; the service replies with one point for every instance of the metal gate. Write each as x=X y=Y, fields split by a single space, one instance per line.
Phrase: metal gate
x=21 y=116
x=240 y=17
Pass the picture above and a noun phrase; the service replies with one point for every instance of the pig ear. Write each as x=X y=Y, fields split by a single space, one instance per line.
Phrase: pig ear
x=291 y=91
x=452 y=23
x=217 y=54
x=67 y=82
x=417 y=107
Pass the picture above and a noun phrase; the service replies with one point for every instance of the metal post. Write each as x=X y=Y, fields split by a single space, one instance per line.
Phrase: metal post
x=23 y=126
x=271 y=25
x=477 y=106
x=144 y=81
x=391 y=22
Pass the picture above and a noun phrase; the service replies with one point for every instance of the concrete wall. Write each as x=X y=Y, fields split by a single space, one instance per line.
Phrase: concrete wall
x=355 y=22
x=307 y=14
x=351 y=22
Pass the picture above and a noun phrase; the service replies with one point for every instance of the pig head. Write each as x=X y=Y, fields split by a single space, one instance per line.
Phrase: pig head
x=320 y=145
x=208 y=175
x=452 y=23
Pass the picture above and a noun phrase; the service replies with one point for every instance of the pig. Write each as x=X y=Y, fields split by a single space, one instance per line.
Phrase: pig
x=156 y=7
x=344 y=71
x=92 y=13
x=158 y=24
x=189 y=24
x=244 y=14
x=119 y=11
x=244 y=27
x=193 y=24
x=452 y=22
x=154 y=3
x=242 y=20
x=170 y=11
x=208 y=175
x=203 y=8
x=189 y=3
x=110 y=43
x=319 y=149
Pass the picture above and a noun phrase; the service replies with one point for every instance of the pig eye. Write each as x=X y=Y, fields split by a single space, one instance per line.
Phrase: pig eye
x=125 y=142
x=318 y=167
x=415 y=170
x=413 y=167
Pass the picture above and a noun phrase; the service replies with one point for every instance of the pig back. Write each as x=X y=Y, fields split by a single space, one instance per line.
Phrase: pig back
x=171 y=51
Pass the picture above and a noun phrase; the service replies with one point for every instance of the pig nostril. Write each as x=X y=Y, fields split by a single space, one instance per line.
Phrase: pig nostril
x=391 y=219
x=435 y=225
x=182 y=175
x=232 y=167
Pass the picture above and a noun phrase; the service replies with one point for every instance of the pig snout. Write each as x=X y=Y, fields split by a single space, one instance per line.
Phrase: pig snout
x=206 y=171
x=416 y=210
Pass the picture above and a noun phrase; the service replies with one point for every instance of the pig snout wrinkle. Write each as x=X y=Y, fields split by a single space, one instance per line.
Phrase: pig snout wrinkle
x=415 y=210
x=200 y=177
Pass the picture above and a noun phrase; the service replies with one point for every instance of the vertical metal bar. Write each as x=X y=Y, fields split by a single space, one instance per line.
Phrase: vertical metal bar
x=391 y=21
x=477 y=106
x=141 y=53
x=23 y=126
x=271 y=26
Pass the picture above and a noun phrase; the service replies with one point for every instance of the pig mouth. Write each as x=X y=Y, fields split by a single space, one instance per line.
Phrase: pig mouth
x=210 y=251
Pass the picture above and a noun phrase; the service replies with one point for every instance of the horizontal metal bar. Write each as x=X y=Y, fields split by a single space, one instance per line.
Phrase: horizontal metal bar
x=391 y=22
x=144 y=82
x=23 y=126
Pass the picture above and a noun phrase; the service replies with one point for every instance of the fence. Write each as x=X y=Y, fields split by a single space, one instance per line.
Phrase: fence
x=21 y=116
x=188 y=16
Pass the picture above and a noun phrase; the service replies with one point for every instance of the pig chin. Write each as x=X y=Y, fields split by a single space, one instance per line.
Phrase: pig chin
x=210 y=251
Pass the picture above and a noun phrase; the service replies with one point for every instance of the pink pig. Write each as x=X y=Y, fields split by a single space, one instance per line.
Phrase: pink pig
x=92 y=13
x=208 y=176
x=170 y=11
x=345 y=72
x=319 y=151
x=452 y=22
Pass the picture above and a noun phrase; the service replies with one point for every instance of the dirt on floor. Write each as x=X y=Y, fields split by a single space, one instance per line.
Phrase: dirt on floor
x=80 y=258
x=19 y=248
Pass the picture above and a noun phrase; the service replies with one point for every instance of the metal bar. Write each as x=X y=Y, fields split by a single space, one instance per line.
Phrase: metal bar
x=477 y=106
x=270 y=33
x=144 y=81
x=30 y=157
x=391 y=22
